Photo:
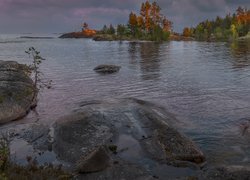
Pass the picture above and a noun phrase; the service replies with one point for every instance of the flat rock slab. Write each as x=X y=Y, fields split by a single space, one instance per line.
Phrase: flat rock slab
x=119 y=131
x=107 y=69
x=17 y=91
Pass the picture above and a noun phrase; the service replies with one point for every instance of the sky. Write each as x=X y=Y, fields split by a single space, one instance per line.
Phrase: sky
x=58 y=16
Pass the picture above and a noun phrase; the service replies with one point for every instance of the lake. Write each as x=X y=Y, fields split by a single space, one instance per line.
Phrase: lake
x=205 y=85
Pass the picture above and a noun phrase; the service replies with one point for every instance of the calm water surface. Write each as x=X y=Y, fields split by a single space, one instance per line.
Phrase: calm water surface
x=205 y=85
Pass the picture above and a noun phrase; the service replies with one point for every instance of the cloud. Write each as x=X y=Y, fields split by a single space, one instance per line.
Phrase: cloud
x=67 y=15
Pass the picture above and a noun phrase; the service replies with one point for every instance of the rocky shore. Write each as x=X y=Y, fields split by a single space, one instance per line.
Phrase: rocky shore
x=76 y=35
x=106 y=139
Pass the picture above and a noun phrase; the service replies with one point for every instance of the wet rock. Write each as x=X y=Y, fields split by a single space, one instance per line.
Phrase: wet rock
x=97 y=160
x=107 y=69
x=139 y=130
x=78 y=134
x=17 y=91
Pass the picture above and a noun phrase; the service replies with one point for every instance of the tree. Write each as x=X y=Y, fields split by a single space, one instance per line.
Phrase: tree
x=150 y=23
x=132 y=23
x=187 y=32
x=111 y=29
x=199 y=31
x=234 y=31
x=121 y=30
x=140 y=22
x=147 y=16
x=35 y=69
x=104 y=29
x=218 y=33
x=155 y=14
x=167 y=25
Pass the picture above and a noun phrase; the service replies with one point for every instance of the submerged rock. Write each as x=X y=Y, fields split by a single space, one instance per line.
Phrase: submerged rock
x=139 y=131
x=107 y=69
x=17 y=91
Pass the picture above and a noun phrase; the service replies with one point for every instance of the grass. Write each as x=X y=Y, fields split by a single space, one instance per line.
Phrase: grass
x=10 y=170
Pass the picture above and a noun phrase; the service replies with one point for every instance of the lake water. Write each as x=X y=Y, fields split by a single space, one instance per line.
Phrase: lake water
x=205 y=85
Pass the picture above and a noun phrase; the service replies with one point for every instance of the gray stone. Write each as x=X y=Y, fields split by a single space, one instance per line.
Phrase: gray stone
x=17 y=91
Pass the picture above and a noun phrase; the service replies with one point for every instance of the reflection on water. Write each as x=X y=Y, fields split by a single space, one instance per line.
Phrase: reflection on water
x=147 y=53
x=205 y=85
x=150 y=62
x=240 y=51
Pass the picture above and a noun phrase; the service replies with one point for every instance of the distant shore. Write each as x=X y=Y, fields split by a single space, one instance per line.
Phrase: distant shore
x=114 y=37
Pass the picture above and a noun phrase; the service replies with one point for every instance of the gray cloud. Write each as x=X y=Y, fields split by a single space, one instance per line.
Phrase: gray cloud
x=67 y=15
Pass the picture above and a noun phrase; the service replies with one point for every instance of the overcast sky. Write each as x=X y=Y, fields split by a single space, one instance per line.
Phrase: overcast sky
x=52 y=16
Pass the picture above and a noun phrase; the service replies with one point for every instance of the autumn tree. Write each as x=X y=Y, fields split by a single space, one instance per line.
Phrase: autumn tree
x=243 y=21
x=132 y=23
x=167 y=25
x=145 y=13
x=150 y=23
x=155 y=14
x=140 y=22
x=187 y=32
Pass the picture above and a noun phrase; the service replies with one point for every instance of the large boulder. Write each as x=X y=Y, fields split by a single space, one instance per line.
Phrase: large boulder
x=17 y=91
x=100 y=135
x=107 y=69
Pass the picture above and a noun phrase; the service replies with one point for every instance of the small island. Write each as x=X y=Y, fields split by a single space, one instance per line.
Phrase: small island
x=149 y=25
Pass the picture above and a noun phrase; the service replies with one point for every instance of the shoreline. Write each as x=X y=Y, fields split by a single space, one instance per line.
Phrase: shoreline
x=109 y=37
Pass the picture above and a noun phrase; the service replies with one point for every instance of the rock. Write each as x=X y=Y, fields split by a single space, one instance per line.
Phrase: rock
x=35 y=37
x=177 y=37
x=107 y=69
x=141 y=131
x=104 y=37
x=17 y=91
x=97 y=160
x=75 y=35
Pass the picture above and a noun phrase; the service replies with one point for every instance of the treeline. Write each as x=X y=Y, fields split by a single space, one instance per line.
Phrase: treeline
x=228 y=28
x=150 y=24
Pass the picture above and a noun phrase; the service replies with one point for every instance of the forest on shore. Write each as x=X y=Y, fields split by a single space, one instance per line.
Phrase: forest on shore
x=151 y=25
x=228 y=28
